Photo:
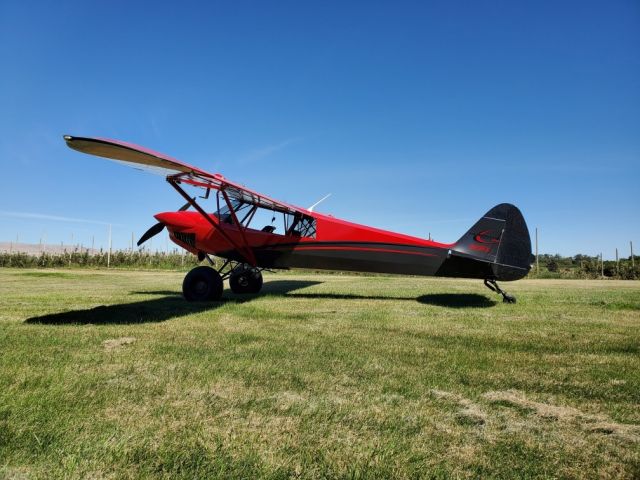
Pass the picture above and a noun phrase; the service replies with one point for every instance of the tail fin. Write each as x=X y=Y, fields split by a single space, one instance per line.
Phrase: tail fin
x=498 y=245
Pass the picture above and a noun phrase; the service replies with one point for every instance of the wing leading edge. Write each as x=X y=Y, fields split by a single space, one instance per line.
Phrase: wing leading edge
x=144 y=159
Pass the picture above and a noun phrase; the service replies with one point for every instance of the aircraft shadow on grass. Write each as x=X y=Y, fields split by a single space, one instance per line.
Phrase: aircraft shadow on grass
x=172 y=305
x=450 y=300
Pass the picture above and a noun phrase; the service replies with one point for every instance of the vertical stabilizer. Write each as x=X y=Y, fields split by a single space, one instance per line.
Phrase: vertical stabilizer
x=498 y=247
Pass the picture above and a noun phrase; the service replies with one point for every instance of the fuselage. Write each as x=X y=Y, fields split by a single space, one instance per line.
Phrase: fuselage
x=335 y=244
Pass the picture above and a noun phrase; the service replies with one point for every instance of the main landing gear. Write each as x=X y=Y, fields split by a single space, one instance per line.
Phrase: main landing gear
x=205 y=283
x=202 y=284
x=493 y=285
x=245 y=279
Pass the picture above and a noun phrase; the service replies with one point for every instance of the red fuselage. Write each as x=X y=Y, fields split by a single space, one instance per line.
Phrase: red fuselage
x=336 y=245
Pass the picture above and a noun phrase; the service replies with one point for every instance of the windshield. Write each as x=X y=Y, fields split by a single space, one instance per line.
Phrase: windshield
x=224 y=214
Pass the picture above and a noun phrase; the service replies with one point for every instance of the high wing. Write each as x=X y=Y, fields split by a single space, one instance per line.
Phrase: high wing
x=144 y=159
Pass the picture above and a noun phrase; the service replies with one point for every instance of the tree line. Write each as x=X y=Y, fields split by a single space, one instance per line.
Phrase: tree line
x=127 y=259
x=586 y=266
x=551 y=266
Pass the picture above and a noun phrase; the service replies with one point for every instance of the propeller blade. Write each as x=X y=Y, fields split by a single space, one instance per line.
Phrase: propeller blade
x=156 y=229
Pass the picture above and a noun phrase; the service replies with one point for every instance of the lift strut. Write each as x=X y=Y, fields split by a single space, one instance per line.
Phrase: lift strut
x=243 y=250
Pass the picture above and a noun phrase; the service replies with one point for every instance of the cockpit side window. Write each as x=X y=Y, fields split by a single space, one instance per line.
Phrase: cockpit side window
x=308 y=227
x=259 y=218
x=302 y=226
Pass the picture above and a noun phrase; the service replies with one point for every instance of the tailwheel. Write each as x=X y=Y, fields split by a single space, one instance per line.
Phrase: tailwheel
x=491 y=284
x=508 y=298
x=245 y=279
x=202 y=284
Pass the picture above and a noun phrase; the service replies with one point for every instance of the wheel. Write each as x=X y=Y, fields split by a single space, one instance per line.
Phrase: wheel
x=245 y=280
x=202 y=284
x=508 y=299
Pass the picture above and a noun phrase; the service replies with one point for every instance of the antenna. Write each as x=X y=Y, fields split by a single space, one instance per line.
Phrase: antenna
x=318 y=202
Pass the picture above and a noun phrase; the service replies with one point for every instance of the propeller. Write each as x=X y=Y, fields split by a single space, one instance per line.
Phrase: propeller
x=158 y=227
x=153 y=231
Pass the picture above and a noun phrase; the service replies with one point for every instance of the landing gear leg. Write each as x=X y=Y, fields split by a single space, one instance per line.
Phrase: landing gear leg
x=203 y=255
x=493 y=285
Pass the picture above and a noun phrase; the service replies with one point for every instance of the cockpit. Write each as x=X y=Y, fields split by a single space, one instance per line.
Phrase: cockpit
x=263 y=219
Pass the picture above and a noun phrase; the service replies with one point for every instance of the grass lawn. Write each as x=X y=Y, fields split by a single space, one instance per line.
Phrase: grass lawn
x=113 y=375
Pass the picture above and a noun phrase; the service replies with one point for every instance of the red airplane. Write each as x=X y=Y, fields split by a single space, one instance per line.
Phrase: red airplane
x=497 y=247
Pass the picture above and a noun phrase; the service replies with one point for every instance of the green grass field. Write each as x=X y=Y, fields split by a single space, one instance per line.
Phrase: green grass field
x=112 y=375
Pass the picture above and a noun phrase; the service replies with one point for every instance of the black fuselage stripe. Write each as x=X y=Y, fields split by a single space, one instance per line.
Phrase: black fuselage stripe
x=380 y=245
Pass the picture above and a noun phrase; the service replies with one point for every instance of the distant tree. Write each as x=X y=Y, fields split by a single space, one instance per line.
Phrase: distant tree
x=609 y=269
x=580 y=258
x=552 y=265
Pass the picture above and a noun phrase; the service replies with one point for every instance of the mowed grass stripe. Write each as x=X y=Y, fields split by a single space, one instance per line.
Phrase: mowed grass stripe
x=110 y=374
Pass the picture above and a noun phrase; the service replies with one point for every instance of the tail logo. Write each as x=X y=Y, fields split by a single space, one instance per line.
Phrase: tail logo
x=486 y=236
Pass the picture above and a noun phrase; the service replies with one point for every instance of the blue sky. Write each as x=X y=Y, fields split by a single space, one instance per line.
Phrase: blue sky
x=416 y=116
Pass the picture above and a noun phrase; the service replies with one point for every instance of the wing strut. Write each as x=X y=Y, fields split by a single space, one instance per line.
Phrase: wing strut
x=244 y=250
